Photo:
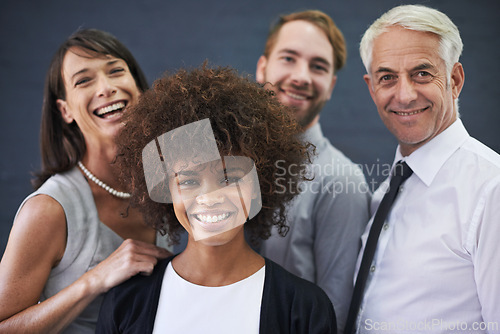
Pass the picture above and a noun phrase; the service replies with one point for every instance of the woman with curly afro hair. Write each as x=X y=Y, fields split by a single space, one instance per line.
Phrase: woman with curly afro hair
x=200 y=151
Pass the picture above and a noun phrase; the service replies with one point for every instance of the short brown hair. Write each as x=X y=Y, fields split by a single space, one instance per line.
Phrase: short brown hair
x=322 y=21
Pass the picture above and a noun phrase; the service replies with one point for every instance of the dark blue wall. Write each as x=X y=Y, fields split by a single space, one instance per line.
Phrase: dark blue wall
x=165 y=35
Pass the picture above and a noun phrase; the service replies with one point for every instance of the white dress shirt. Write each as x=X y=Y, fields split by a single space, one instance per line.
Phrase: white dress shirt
x=437 y=264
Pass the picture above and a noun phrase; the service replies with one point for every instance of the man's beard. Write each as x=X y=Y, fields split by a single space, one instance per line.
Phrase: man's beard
x=310 y=115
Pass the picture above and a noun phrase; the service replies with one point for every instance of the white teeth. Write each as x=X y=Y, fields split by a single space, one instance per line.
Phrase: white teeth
x=296 y=96
x=212 y=219
x=110 y=108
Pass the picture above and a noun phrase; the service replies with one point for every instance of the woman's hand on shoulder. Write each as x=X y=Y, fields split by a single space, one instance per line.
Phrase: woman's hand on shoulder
x=131 y=258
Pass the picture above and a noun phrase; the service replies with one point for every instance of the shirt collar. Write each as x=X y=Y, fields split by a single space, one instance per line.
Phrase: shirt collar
x=313 y=135
x=427 y=160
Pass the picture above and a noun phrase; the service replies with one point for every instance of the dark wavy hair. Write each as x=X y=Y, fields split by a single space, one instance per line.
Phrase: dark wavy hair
x=62 y=145
x=247 y=120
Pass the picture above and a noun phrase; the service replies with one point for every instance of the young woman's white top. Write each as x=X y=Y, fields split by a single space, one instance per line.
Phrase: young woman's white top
x=185 y=307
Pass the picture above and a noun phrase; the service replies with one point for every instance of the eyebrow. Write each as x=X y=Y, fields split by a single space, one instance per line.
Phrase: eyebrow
x=423 y=66
x=79 y=72
x=234 y=169
x=186 y=173
x=189 y=172
x=316 y=59
x=109 y=63
x=384 y=69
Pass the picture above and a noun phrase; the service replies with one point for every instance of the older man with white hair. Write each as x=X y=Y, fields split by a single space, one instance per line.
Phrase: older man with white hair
x=430 y=260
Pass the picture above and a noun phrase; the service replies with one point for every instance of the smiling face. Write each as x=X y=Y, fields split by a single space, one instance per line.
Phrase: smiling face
x=212 y=201
x=97 y=91
x=409 y=86
x=300 y=70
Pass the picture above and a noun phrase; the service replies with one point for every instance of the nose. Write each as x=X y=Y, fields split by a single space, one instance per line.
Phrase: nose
x=105 y=87
x=406 y=92
x=210 y=198
x=301 y=75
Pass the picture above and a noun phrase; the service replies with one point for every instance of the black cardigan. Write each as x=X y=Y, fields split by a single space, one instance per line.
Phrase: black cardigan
x=289 y=304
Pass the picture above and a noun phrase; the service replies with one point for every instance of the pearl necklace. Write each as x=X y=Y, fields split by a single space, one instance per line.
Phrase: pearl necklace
x=102 y=184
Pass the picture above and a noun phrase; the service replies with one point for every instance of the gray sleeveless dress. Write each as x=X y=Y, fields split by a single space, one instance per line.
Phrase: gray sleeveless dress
x=89 y=241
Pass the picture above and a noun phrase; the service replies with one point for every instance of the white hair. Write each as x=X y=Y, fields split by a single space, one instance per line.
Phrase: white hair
x=418 y=18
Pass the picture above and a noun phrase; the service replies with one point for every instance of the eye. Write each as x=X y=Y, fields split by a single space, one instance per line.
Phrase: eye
x=188 y=183
x=117 y=70
x=230 y=180
x=319 y=68
x=423 y=76
x=287 y=59
x=82 y=81
x=387 y=79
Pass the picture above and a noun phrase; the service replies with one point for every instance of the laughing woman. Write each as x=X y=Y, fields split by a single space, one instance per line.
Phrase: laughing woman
x=72 y=238
x=215 y=170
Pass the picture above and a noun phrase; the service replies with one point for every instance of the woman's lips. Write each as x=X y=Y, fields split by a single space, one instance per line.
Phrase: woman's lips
x=110 y=109
x=212 y=222
x=211 y=218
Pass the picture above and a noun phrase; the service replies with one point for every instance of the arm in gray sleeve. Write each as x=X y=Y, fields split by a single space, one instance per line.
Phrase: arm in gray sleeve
x=340 y=216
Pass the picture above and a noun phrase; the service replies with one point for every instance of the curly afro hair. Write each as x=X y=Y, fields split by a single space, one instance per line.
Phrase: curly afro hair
x=247 y=120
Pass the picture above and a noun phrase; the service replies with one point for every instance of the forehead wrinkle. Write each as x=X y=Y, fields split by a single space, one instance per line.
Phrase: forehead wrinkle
x=408 y=44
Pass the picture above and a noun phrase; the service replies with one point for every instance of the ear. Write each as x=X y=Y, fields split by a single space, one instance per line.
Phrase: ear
x=65 y=113
x=332 y=85
x=457 y=80
x=261 y=69
x=368 y=81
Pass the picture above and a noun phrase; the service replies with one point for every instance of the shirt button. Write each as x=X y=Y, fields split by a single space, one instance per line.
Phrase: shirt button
x=386 y=226
x=401 y=189
x=372 y=268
